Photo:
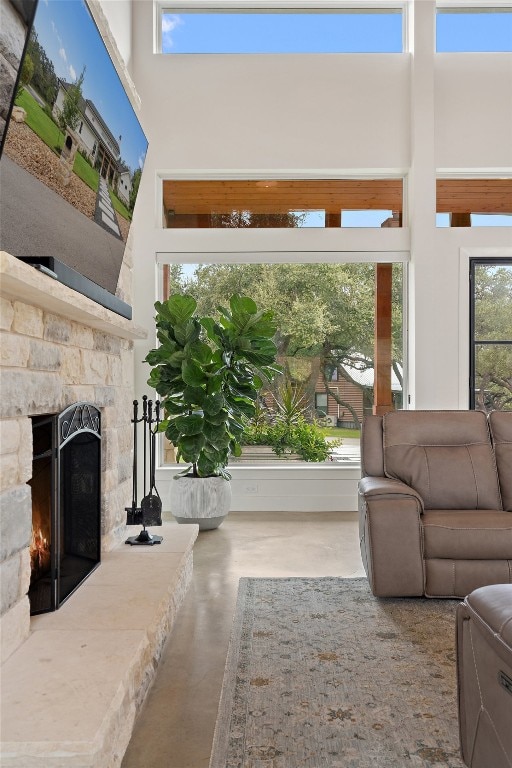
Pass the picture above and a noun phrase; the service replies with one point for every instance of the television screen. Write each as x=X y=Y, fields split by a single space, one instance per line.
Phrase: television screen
x=72 y=153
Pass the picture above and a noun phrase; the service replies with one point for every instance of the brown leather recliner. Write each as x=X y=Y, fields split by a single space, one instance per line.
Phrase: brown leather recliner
x=484 y=676
x=435 y=502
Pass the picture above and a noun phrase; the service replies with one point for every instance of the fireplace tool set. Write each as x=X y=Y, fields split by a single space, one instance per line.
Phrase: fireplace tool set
x=149 y=512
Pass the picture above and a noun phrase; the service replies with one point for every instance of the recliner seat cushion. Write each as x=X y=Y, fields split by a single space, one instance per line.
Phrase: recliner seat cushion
x=467 y=534
x=446 y=456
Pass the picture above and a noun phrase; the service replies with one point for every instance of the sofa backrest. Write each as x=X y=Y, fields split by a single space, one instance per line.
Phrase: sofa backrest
x=446 y=456
x=500 y=423
x=372 y=454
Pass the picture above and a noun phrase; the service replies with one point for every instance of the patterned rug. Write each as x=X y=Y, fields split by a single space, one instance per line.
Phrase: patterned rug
x=321 y=674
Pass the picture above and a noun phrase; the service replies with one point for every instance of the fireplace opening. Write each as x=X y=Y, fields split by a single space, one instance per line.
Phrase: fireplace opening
x=65 y=544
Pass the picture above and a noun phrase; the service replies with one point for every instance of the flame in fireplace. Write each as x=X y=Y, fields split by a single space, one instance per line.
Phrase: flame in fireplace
x=39 y=554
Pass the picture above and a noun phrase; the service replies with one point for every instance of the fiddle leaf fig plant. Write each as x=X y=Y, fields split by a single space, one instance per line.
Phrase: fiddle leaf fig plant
x=208 y=372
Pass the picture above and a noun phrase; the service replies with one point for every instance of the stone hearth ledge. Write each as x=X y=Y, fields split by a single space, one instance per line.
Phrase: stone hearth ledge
x=71 y=692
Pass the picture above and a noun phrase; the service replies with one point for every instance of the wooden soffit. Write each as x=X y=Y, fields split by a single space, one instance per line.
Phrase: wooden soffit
x=282 y=196
x=330 y=195
x=474 y=195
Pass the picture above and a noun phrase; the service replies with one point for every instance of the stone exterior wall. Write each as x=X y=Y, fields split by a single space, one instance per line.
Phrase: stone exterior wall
x=47 y=363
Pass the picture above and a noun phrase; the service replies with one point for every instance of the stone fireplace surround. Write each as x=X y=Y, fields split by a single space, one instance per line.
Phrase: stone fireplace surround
x=58 y=348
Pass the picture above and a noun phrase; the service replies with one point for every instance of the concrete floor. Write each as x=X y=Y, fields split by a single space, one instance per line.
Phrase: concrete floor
x=175 y=726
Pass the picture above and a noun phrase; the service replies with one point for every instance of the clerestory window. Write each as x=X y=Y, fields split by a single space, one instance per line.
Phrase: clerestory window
x=480 y=30
x=282 y=203
x=274 y=30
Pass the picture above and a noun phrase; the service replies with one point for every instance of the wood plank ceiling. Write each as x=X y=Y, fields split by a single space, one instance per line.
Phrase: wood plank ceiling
x=330 y=195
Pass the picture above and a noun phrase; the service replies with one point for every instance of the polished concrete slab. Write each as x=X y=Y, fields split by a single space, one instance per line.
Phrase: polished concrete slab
x=174 y=728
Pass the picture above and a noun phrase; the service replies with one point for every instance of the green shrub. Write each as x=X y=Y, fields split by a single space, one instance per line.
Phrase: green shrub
x=305 y=440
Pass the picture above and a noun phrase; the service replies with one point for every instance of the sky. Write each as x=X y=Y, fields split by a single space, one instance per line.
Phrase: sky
x=71 y=41
x=326 y=32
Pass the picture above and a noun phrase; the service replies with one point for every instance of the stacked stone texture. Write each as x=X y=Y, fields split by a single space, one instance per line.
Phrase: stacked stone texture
x=47 y=363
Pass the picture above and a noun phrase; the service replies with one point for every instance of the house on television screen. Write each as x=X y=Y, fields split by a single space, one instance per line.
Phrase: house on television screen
x=124 y=184
x=96 y=139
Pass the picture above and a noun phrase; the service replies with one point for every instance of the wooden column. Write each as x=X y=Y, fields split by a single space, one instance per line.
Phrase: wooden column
x=382 y=399
x=460 y=219
x=333 y=219
x=166 y=287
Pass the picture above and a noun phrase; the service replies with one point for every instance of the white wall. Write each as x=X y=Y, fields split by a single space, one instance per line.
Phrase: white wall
x=405 y=113
x=473 y=110
x=118 y=14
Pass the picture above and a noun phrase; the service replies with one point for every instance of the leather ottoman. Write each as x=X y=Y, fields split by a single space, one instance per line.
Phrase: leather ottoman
x=484 y=675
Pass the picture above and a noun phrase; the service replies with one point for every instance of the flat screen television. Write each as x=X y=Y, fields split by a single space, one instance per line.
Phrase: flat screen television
x=72 y=150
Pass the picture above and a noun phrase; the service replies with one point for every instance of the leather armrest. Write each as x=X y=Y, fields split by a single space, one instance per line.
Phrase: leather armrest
x=372 y=487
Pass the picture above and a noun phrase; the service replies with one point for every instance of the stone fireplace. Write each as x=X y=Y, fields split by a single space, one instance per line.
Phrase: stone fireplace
x=58 y=348
x=65 y=543
x=62 y=352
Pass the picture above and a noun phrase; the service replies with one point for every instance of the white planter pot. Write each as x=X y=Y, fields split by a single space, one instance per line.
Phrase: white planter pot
x=202 y=500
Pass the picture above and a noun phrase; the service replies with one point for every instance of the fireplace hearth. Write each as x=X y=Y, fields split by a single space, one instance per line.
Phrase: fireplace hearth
x=66 y=504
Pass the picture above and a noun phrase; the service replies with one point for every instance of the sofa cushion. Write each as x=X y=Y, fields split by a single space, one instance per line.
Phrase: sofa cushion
x=457 y=578
x=446 y=456
x=501 y=432
x=467 y=534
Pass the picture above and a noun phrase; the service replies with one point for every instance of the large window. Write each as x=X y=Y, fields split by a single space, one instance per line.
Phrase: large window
x=325 y=339
x=491 y=334
x=371 y=30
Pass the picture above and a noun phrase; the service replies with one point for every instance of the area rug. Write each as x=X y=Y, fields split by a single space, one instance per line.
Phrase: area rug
x=321 y=674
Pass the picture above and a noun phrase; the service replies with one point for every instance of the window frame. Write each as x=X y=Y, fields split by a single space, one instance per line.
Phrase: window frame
x=475 y=262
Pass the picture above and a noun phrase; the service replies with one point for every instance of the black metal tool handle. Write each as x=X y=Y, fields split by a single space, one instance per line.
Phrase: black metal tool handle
x=134 y=479
x=144 y=421
x=153 y=446
x=150 y=422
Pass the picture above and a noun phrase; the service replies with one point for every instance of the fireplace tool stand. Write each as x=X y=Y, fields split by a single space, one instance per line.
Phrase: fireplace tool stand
x=150 y=510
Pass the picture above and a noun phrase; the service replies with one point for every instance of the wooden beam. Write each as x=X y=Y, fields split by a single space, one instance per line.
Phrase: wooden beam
x=333 y=219
x=382 y=397
x=460 y=219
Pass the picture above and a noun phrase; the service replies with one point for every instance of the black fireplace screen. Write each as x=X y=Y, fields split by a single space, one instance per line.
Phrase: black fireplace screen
x=66 y=500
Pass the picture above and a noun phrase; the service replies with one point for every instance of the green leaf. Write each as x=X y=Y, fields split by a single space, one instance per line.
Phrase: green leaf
x=190 y=446
x=173 y=406
x=242 y=304
x=193 y=398
x=156 y=356
x=179 y=308
x=213 y=404
x=172 y=433
x=191 y=424
x=200 y=352
x=217 y=435
x=192 y=373
x=218 y=418
x=244 y=407
x=206 y=467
